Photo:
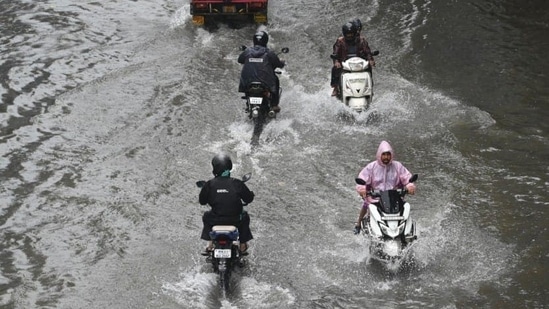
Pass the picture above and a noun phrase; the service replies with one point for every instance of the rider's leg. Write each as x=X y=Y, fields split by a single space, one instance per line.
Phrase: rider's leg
x=275 y=97
x=334 y=82
x=361 y=215
x=245 y=234
x=207 y=220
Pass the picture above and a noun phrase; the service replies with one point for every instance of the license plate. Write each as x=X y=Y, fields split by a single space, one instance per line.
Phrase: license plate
x=222 y=253
x=229 y=9
x=255 y=100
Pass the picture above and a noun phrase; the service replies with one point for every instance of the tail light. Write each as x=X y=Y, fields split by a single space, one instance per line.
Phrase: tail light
x=256 y=5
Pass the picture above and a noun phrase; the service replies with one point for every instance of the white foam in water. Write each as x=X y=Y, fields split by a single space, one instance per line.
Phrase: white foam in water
x=195 y=290
x=257 y=294
x=181 y=17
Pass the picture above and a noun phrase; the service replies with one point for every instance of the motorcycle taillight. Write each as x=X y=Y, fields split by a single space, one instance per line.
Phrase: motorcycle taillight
x=222 y=242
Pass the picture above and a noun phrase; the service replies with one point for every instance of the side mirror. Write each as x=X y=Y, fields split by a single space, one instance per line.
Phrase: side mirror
x=200 y=183
x=333 y=56
x=243 y=47
x=413 y=178
x=285 y=50
x=375 y=53
x=360 y=181
x=246 y=177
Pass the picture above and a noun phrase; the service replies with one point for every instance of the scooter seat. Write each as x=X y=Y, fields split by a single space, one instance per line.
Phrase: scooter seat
x=224 y=228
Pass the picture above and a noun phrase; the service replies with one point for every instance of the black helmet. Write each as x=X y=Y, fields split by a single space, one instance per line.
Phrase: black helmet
x=261 y=38
x=357 y=23
x=349 y=31
x=221 y=163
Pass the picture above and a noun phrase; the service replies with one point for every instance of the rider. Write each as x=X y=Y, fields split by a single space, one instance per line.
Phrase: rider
x=259 y=65
x=358 y=25
x=382 y=174
x=225 y=196
x=350 y=43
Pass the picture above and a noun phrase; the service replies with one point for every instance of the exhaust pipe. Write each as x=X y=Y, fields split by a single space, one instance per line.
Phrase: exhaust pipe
x=255 y=113
x=272 y=114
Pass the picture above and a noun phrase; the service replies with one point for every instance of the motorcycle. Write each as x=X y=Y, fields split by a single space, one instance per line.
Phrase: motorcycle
x=226 y=247
x=356 y=88
x=258 y=98
x=390 y=226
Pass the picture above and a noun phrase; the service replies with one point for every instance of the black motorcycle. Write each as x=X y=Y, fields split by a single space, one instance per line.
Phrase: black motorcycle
x=226 y=252
x=258 y=98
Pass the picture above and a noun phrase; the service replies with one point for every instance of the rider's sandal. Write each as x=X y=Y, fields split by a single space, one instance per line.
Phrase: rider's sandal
x=245 y=251
x=207 y=251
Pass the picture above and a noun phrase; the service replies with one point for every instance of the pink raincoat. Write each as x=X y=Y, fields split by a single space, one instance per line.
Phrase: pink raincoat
x=379 y=176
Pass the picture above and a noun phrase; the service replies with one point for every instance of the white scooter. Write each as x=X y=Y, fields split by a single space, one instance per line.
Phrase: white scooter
x=356 y=85
x=390 y=226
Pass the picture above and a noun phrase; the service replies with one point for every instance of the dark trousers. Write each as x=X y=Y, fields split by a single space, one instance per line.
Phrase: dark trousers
x=336 y=75
x=275 y=96
x=242 y=222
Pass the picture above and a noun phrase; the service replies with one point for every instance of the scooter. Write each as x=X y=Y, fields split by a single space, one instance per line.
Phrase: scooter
x=356 y=88
x=226 y=247
x=258 y=98
x=390 y=227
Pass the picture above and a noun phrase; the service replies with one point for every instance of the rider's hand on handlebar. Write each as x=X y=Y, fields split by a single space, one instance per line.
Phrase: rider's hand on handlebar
x=411 y=188
x=372 y=63
x=337 y=64
x=362 y=191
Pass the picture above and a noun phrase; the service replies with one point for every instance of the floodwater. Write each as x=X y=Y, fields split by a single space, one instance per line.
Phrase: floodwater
x=112 y=110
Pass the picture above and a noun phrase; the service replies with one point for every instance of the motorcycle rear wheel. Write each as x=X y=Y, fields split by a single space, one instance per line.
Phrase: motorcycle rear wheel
x=224 y=279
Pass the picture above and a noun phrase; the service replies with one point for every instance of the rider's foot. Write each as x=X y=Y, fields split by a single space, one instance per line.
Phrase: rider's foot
x=276 y=109
x=335 y=92
x=243 y=248
x=356 y=230
x=207 y=251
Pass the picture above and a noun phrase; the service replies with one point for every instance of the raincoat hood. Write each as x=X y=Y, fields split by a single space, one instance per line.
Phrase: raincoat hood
x=384 y=146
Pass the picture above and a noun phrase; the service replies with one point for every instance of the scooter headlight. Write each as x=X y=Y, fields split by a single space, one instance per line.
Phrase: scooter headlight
x=384 y=229
x=401 y=228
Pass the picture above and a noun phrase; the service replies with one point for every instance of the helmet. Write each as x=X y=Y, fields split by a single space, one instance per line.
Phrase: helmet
x=221 y=163
x=261 y=38
x=349 y=31
x=357 y=23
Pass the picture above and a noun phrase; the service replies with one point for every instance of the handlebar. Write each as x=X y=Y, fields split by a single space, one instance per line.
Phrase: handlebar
x=284 y=50
x=377 y=193
x=334 y=57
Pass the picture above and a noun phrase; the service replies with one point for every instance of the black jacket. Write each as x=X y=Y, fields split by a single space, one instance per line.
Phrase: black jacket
x=225 y=195
x=259 y=65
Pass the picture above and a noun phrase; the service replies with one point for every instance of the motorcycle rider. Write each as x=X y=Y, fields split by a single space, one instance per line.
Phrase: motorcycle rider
x=259 y=65
x=225 y=196
x=384 y=173
x=350 y=43
x=358 y=25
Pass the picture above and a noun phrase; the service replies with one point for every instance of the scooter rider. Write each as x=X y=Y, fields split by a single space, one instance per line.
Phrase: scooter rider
x=384 y=173
x=225 y=196
x=259 y=65
x=358 y=25
x=350 y=43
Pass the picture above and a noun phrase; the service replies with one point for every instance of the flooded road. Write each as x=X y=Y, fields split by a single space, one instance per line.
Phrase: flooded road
x=111 y=111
